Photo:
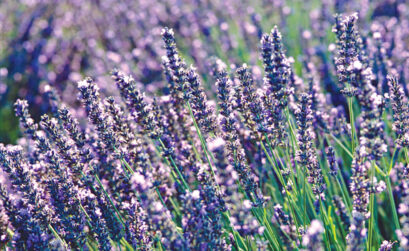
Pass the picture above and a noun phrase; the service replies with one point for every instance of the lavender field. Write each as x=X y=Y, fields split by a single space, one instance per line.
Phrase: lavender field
x=204 y=125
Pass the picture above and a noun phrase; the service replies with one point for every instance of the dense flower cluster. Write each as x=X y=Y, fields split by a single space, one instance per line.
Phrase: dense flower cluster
x=206 y=125
x=277 y=77
x=400 y=111
x=306 y=156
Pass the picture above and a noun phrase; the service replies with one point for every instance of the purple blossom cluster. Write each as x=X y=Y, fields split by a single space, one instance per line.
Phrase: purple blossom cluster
x=202 y=128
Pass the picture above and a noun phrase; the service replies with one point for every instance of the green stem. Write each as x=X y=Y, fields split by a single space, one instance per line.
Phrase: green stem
x=304 y=191
x=86 y=214
x=126 y=244
x=202 y=140
x=371 y=210
x=176 y=168
x=237 y=238
x=346 y=198
x=110 y=201
x=352 y=123
x=325 y=222
x=280 y=177
x=392 y=201
x=278 y=173
x=269 y=232
x=392 y=163
x=55 y=233
x=406 y=155
x=342 y=145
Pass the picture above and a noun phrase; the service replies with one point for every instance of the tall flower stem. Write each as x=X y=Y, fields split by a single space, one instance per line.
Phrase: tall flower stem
x=110 y=201
x=176 y=168
x=55 y=233
x=371 y=210
x=392 y=201
x=352 y=123
x=390 y=191
x=202 y=140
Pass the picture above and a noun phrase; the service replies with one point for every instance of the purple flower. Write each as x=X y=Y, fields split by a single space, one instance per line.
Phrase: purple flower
x=22 y=180
x=386 y=245
x=332 y=162
x=89 y=95
x=277 y=77
x=341 y=211
x=136 y=229
x=26 y=122
x=312 y=239
x=199 y=230
x=202 y=111
x=28 y=231
x=175 y=62
x=145 y=114
x=347 y=61
x=287 y=229
x=74 y=131
x=357 y=232
x=306 y=155
x=251 y=106
x=234 y=150
x=400 y=111
x=66 y=149
x=98 y=223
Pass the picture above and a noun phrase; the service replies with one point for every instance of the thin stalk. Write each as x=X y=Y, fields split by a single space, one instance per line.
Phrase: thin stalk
x=55 y=233
x=176 y=168
x=305 y=196
x=172 y=172
x=294 y=145
x=173 y=203
x=346 y=198
x=177 y=211
x=126 y=244
x=202 y=140
x=118 y=215
x=86 y=214
x=392 y=201
x=279 y=175
x=277 y=156
x=342 y=145
x=269 y=233
x=352 y=123
x=91 y=246
x=325 y=222
x=238 y=239
x=406 y=155
x=396 y=151
x=371 y=210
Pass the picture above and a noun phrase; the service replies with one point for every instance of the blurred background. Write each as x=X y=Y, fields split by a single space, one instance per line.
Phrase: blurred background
x=58 y=42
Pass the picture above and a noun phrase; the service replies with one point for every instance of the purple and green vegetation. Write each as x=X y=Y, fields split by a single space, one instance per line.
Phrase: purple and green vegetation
x=204 y=125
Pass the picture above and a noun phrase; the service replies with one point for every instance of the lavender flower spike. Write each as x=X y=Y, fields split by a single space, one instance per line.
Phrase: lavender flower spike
x=235 y=151
x=89 y=95
x=312 y=240
x=202 y=112
x=307 y=156
x=400 y=111
x=347 y=59
x=276 y=79
x=386 y=246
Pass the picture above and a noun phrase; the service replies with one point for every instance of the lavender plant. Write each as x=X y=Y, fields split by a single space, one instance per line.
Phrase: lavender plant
x=206 y=125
